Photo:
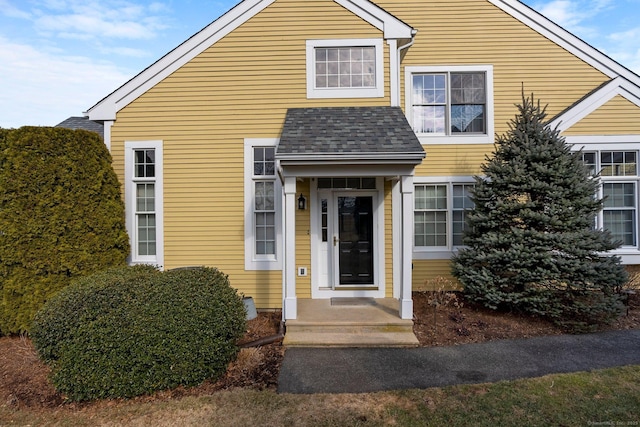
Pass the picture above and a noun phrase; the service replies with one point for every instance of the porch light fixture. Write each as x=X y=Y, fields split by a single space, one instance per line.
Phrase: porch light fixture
x=302 y=202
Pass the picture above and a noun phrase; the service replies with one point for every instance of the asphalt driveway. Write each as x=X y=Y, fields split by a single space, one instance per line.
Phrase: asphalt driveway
x=363 y=370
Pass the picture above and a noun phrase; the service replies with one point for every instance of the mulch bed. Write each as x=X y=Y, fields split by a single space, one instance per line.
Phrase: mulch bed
x=24 y=379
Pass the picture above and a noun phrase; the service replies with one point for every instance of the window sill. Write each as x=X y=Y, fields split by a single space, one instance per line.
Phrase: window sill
x=629 y=256
x=429 y=254
x=267 y=265
x=375 y=92
x=426 y=139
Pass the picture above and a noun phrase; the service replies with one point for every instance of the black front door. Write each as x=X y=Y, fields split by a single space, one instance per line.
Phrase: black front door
x=355 y=240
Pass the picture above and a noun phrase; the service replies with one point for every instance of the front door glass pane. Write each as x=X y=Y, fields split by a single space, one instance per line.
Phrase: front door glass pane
x=355 y=237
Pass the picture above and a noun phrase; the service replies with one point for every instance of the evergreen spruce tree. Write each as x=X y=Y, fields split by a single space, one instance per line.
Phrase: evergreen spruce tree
x=531 y=244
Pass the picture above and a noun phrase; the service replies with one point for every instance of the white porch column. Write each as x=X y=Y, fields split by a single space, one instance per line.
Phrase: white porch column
x=406 y=302
x=290 y=303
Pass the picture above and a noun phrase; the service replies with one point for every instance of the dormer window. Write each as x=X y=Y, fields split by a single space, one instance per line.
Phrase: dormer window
x=350 y=68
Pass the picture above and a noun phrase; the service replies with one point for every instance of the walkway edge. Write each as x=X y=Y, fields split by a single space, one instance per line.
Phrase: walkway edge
x=367 y=370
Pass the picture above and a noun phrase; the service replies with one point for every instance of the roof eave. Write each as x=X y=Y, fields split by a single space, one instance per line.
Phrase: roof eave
x=351 y=158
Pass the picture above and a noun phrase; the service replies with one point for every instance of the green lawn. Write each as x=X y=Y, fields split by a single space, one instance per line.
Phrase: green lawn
x=604 y=397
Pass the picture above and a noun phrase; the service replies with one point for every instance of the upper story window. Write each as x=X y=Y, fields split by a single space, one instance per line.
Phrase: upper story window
x=450 y=104
x=345 y=67
x=351 y=68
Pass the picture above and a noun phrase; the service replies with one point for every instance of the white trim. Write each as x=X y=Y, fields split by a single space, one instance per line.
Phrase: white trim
x=323 y=93
x=591 y=103
x=487 y=137
x=396 y=230
x=320 y=291
x=597 y=144
x=394 y=73
x=392 y=27
x=290 y=299
x=439 y=252
x=347 y=169
x=615 y=142
x=106 y=133
x=565 y=39
x=130 y=200
x=251 y=260
x=406 y=301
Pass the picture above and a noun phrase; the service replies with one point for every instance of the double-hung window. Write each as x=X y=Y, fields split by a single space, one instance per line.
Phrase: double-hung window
x=264 y=202
x=351 y=68
x=262 y=206
x=143 y=163
x=444 y=103
x=440 y=215
x=619 y=188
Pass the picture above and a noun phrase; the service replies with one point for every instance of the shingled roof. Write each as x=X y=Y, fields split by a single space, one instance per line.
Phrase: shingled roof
x=348 y=132
x=82 y=123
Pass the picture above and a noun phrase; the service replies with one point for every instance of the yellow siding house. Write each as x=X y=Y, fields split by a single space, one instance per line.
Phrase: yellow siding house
x=318 y=149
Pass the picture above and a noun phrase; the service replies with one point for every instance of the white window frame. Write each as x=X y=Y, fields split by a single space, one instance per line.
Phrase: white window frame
x=634 y=208
x=440 y=252
x=599 y=143
x=485 y=138
x=630 y=253
x=254 y=261
x=375 y=92
x=130 y=200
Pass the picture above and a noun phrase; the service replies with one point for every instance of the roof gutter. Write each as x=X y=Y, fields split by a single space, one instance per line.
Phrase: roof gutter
x=334 y=160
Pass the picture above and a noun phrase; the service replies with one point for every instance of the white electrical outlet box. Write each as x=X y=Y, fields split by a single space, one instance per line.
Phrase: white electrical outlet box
x=302 y=271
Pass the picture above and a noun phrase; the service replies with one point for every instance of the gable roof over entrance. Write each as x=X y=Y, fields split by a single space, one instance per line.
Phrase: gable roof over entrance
x=353 y=134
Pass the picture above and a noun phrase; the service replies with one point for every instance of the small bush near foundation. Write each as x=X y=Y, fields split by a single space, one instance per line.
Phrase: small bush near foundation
x=132 y=331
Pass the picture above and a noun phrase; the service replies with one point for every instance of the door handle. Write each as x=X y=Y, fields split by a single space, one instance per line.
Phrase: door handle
x=335 y=240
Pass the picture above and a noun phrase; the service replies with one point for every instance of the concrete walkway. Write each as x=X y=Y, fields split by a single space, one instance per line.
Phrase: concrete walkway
x=365 y=370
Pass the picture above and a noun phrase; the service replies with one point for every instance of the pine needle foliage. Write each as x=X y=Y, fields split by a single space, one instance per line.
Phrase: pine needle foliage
x=531 y=244
x=61 y=217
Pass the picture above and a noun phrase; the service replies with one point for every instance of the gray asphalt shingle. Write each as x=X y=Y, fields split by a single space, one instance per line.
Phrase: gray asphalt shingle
x=347 y=130
x=82 y=123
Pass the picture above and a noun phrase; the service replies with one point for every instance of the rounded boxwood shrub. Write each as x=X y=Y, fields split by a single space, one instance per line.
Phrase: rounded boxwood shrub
x=61 y=217
x=132 y=331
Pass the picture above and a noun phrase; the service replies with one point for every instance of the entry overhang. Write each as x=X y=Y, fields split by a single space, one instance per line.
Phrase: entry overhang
x=346 y=142
x=353 y=136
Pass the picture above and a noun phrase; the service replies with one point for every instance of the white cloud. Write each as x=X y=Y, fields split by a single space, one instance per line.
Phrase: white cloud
x=99 y=19
x=49 y=87
x=10 y=11
x=572 y=14
x=584 y=19
x=623 y=47
x=125 y=51
x=87 y=26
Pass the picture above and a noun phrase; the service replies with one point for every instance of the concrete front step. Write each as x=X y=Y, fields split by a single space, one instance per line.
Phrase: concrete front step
x=402 y=326
x=367 y=323
x=350 y=339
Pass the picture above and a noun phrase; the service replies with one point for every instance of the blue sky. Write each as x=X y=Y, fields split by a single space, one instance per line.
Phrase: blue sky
x=59 y=57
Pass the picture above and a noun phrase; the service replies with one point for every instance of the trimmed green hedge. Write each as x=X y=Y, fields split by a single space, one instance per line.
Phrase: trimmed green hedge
x=132 y=331
x=61 y=217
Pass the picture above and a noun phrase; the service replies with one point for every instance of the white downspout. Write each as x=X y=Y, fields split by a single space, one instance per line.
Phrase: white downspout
x=395 y=82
